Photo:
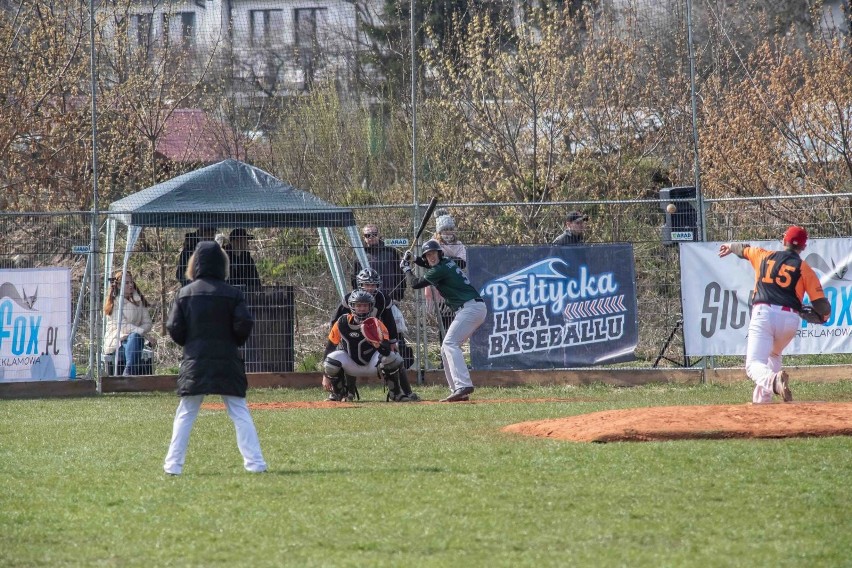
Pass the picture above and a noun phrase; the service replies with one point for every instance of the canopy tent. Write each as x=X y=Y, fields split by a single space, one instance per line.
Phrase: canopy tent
x=230 y=194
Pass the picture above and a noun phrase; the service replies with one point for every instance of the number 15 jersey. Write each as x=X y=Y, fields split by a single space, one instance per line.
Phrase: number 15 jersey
x=782 y=278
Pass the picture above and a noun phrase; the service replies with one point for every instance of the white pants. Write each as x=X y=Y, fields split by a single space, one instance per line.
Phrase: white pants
x=247 y=440
x=350 y=367
x=771 y=329
x=468 y=319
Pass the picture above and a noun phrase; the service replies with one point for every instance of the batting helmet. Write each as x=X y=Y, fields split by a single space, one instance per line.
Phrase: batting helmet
x=429 y=246
x=361 y=297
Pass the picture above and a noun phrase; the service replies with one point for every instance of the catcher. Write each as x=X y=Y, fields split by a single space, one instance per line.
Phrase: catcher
x=369 y=281
x=782 y=279
x=360 y=346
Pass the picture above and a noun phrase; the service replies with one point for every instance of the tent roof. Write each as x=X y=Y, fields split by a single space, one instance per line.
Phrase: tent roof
x=229 y=193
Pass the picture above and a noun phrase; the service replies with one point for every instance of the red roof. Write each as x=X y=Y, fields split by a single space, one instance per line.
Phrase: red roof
x=190 y=135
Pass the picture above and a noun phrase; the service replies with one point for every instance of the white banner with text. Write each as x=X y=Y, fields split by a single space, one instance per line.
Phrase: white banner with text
x=715 y=295
x=35 y=324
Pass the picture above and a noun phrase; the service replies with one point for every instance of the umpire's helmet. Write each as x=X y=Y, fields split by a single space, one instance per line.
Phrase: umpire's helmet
x=431 y=245
x=361 y=297
x=368 y=276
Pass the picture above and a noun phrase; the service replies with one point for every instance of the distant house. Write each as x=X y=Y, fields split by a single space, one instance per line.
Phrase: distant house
x=274 y=46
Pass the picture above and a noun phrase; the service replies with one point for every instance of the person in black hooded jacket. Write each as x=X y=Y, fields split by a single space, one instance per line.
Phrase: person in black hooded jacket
x=211 y=320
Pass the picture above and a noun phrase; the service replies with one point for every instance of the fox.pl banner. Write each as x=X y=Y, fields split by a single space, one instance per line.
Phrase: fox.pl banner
x=35 y=324
x=715 y=293
x=554 y=307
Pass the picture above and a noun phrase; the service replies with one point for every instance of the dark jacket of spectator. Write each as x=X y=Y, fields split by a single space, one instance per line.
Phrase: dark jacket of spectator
x=211 y=320
x=385 y=260
x=243 y=269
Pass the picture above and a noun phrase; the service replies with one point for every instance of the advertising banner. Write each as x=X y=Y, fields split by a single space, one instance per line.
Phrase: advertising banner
x=554 y=306
x=35 y=324
x=715 y=295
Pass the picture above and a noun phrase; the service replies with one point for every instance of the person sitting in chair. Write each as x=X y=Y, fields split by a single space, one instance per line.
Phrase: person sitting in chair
x=127 y=339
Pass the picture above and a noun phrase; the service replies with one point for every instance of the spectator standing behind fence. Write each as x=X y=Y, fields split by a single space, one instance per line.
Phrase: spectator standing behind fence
x=575 y=229
x=127 y=339
x=385 y=260
x=454 y=249
x=243 y=271
x=210 y=320
x=190 y=240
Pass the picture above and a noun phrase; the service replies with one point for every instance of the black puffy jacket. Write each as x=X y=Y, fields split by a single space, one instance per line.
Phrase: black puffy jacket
x=210 y=319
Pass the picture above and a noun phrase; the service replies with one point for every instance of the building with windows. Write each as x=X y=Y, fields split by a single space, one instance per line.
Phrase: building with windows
x=275 y=46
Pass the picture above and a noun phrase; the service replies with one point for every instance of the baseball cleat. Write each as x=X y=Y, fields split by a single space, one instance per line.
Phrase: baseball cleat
x=781 y=386
x=459 y=395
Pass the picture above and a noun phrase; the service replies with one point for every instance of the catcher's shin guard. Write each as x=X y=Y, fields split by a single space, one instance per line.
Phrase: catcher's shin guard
x=395 y=391
x=351 y=389
x=334 y=372
x=403 y=381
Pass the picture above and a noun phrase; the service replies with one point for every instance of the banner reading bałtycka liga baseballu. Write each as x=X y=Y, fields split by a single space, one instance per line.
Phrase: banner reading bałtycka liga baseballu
x=715 y=294
x=554 y=306
x=35 y=324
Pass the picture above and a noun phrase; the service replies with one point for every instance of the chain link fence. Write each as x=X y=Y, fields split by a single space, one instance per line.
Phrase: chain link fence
x=296 y=296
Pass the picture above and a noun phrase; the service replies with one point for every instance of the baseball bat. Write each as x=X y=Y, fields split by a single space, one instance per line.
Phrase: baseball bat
x=426 y=216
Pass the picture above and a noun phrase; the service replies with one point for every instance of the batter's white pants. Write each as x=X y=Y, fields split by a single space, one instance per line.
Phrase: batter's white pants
x=468 y=319
x=238 y=411
x=771 y=329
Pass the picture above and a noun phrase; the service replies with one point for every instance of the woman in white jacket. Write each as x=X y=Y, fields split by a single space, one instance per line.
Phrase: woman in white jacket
x=128 y=339
x=445 y=234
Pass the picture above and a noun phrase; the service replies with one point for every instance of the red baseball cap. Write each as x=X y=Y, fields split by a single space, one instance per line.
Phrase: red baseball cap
x=796 y=236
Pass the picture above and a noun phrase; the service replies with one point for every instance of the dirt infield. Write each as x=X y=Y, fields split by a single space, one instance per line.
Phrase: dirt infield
x=328 y=404
x=654 y=424
x=792 y=420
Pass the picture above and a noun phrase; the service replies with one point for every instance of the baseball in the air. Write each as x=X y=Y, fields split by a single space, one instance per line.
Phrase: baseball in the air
x=671 y=208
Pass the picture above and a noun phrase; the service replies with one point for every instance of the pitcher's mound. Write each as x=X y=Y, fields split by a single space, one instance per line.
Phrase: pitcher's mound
x=791 y=420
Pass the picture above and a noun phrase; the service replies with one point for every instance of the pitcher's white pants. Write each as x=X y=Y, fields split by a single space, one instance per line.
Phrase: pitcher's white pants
x=468 y=319
x=238 y=411
x=771 y=329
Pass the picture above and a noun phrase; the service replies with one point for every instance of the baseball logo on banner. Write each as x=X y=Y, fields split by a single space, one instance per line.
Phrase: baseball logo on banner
x=715 y=294
x=554 y=307
x=35 y=324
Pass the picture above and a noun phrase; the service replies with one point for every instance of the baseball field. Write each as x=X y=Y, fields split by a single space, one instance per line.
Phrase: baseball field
x=380 y=484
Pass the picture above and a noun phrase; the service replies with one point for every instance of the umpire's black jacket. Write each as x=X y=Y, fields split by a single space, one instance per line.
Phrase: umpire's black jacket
x=210 y=319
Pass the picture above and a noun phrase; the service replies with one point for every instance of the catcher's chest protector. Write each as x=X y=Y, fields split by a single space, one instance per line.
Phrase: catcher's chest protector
x=353 y=341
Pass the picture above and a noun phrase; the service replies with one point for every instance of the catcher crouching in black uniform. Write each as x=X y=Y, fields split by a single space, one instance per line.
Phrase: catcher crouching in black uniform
x=359 y=346
x=369 y=281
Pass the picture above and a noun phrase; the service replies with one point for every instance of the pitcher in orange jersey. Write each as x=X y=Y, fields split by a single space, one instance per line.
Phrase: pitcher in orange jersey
x=782 y=279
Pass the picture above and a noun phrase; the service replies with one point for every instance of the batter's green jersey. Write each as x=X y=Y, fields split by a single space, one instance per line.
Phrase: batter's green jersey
x=451 y=282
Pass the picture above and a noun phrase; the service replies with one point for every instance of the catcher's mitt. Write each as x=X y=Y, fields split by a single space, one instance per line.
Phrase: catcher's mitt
x=808 y=314
x=372 y=330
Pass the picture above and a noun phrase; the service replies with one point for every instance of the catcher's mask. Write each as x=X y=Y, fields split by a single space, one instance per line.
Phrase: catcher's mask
x=369 y=280
x=361 y=304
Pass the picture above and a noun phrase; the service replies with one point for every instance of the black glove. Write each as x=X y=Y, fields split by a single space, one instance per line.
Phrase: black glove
x=810 y=315
x=405 y=266
x=384 y=348
x=408 y=255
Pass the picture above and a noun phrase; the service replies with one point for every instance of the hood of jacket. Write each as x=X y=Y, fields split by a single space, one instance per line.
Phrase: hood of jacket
x=209 y=261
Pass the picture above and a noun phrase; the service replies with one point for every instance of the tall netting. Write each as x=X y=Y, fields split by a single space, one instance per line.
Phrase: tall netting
x=518 y=111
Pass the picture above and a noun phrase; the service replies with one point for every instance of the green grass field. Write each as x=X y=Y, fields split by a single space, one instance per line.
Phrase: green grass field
x=415 y=485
